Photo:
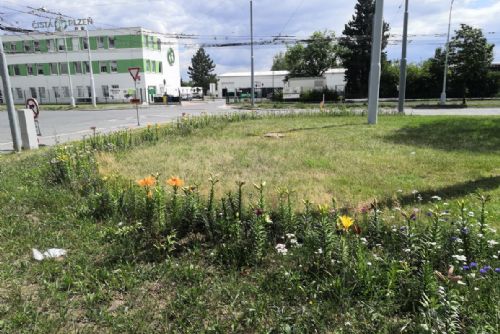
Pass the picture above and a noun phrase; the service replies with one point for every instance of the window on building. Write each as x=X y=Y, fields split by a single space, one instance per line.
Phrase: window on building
x=86 y=66
x=115 y=86
x=146 y=37
x=33 y=92
x=27 y=46
x=42 y=92
x=85 y=43
x=17 y=70
x=65 y=90
x=39 y=69
x=100 y=42
x=36 y=45
x=53 y=68
x=103 y=66
x=80 y=91
x=105 y=90
x=63 y=68
x=148 y=66
x=75 y=43
x=12 y=46
x=158 y=43
x=160 y=67
x=60 y=44
x=78 y=67
x=19 y=93
x=114 y=66
x=111 y=42
x=50 y=45
x=89 y=91
x=30 y=69
x=153 y=65
x=56 y=92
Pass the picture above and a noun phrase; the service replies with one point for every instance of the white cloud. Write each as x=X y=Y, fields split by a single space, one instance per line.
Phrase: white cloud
x=215 y=19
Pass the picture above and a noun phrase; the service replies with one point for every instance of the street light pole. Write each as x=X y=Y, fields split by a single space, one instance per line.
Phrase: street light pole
x=72 y=96
x=91 y=71
x=373 y=93
x=443 y=94
x=9 y=101
x=251 y=48
x=402 y=71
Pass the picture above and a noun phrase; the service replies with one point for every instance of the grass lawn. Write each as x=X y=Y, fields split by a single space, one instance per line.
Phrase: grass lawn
x=324 y=157
x=493 y=103
x=390 y=276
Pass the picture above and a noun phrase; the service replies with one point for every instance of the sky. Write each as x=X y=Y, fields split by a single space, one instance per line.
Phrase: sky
x=221 y=21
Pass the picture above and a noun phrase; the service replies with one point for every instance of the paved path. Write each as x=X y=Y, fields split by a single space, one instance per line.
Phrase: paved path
x=62 y=126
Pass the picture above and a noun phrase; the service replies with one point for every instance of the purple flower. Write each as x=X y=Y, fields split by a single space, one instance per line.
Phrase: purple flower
x=465 y=268
x=497 y=270
x=453 y=238
x=488 y=268
x=429 y=214
x=473 y=265
x=483 y=271
x=413 y=216
x=464 y=230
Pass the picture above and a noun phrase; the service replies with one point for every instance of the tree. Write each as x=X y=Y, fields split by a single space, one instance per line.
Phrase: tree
x=201 y=70
x=470 y=60
x=356 y=48
x=310 y=59
x=279 y=63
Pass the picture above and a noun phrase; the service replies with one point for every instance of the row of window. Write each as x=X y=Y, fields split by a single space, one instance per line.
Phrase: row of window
x=57 y=92
x=60 y=44
x=78 y=67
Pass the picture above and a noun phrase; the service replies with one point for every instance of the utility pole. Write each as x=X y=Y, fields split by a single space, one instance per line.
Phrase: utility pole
x=72 y=96
x=91 y=71
x=402 y=71
x=9 y=101
x=374 y=88
x=251 y=48
x=443 y=94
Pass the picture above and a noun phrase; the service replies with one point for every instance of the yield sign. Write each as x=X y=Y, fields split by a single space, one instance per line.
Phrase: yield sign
x=134 y=72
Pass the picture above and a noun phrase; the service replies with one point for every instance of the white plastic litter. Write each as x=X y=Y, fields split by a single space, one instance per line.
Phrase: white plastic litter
x=51 y=253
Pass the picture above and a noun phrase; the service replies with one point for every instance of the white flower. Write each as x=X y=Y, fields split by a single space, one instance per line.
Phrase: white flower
x=400 y=191
x=461 y=283
x=471 y=214
x=364 y=241
x=414 y=191
x=293 y=241
x=459 y=241
x=437 y=198
x=495 y=257
x=459 y=257
x=319 y=251
x=472 y=275
x=369 y=263
x=460 y=251
x=480 y=235
x=492 y=243
x=476 y=289
x=407 y=250
x=446 y=203
x=290 y=235
x=281 y=249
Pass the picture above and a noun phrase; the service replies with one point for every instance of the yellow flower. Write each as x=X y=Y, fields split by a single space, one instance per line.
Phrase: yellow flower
x=175 y=181
x=346 y=222
x=149 y=181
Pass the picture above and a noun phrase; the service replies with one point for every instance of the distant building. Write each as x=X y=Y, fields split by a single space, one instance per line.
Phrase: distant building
x=38 y=65
x=266 y=82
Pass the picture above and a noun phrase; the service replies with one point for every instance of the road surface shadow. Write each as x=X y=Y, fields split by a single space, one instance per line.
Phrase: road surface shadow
x=447 y=193
x=452 y=134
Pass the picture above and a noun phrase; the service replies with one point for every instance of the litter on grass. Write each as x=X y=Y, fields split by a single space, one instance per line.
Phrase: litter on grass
x=51 y=253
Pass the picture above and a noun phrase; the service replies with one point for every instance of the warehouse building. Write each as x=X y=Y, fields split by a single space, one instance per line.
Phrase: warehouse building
x=266 y=82
x=39 y=63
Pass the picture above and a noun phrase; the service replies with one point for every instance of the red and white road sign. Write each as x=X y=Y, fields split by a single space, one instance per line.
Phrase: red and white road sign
x=134 y=72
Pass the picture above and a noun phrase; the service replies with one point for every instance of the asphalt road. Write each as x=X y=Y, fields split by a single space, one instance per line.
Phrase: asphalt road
x=63 y=126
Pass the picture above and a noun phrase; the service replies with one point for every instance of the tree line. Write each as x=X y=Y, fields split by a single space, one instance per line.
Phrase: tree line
x=470 y=59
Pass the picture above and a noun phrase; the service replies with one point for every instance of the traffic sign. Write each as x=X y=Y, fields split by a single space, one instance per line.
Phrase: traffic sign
x=134 y=72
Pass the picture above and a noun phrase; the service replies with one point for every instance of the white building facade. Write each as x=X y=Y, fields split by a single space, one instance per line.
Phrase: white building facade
x=266 y=81
x=39 y=63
